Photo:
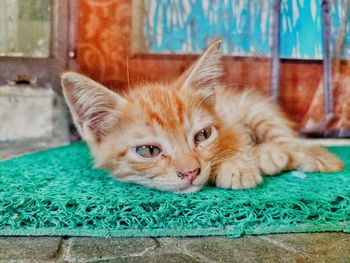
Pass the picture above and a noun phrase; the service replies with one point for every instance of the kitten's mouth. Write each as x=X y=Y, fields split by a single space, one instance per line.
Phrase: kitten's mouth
x=194 y=185
x=191 y=180
x=197 y=183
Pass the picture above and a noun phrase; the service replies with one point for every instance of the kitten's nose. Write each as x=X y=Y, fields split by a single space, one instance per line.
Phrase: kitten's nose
x=189 y=175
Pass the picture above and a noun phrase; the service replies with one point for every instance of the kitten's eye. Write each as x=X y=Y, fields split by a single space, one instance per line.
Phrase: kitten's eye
x=202 y=135
x=148 y=151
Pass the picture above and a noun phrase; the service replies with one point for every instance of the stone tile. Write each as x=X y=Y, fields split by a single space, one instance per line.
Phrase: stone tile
x=245 y=249
x=105 y=248
x=31 y=249
x=319 y=247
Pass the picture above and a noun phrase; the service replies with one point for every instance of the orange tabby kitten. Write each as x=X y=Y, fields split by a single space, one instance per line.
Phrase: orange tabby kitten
x=178 y=136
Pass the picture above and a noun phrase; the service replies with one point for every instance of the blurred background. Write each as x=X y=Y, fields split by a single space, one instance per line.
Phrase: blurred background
x=296 y=51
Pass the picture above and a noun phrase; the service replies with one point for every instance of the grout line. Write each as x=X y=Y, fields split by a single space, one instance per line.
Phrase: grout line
x=142 y=253
x=281 y=245
x=64 y=250
x=148 y=251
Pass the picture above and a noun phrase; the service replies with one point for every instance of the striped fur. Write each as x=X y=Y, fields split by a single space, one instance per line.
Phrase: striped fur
x=250 y=135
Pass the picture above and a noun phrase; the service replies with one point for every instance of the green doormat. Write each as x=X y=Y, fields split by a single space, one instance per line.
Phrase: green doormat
x=57 y=192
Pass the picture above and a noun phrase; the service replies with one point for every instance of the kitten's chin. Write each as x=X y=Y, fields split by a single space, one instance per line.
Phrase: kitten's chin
x=175 y=188
x=189 y=189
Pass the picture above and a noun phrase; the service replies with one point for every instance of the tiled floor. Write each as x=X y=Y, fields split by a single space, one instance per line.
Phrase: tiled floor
x=318 y=247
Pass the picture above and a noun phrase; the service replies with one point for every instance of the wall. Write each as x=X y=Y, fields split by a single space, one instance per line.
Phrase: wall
x=187 y=26
x=103 y=53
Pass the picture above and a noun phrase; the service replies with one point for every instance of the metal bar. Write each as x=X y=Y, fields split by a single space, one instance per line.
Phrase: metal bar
x=275 y=67
x=327 y=62
x=321 y=127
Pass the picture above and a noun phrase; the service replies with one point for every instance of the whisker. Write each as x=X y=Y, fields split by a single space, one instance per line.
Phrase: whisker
x=223 y=156
x=128 y=72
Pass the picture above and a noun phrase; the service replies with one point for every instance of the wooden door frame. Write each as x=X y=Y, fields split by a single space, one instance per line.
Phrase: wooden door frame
x=46 y=71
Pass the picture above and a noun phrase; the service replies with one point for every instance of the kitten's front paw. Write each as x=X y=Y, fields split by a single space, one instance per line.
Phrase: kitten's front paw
x=236 y=175
x=272 y=158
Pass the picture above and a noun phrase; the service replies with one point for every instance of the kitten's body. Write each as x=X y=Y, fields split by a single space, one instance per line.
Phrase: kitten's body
x=178 y=136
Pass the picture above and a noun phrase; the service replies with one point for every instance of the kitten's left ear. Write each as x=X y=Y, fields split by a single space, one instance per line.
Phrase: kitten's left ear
x=205 y=71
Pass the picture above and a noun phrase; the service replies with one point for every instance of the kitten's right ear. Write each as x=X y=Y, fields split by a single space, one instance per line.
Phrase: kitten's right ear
x=204 y=74
x=206 y=70
x=94 y=107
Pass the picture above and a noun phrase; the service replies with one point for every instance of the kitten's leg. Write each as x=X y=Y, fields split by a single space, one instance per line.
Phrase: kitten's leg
x=277 y=146
x=238 y=172
x=277 y=157
x=315 y=159
x=274 y=140
x=280 y=149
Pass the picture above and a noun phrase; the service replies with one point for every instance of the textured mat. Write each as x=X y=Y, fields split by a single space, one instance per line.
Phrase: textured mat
x=57 y=192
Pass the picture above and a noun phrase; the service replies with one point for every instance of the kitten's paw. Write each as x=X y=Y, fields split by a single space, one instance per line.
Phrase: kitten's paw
x=272 y=159
x=318 y=159
x=237 y=176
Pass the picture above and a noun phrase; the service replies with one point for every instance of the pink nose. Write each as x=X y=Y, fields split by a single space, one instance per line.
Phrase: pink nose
x=189 y=175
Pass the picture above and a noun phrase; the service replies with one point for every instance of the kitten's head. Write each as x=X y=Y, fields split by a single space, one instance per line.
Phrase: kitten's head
x=163 y=136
